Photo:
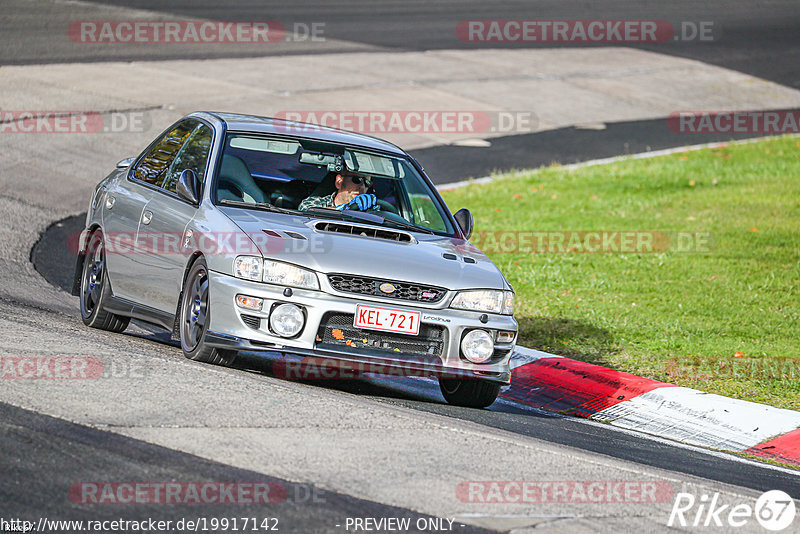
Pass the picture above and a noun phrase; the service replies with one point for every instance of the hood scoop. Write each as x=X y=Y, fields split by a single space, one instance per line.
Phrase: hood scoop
x=289 y=233
x=451 y=256
x=363 y=231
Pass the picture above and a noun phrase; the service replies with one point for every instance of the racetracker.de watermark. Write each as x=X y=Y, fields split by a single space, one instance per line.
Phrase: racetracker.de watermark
x=255 y=243
x=175 y=493
x=320 y=368
x=67 y=368
x=585 y=31
x=193 y=32
x=50 y=367
x=598 y=242
x=565 y=491
x=773 y=122
x=737 y=368
x=73 y=122
x=410 y=121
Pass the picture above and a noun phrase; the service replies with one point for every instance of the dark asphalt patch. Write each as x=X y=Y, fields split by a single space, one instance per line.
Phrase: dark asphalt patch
x=51 y=255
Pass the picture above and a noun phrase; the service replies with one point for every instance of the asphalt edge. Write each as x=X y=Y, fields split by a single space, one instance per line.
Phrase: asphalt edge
x=640 y=155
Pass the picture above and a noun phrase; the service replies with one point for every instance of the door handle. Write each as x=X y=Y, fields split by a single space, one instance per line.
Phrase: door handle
x=110 y=202
x=147 y=216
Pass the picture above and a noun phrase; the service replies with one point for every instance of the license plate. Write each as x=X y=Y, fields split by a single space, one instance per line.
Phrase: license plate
x=387 y=320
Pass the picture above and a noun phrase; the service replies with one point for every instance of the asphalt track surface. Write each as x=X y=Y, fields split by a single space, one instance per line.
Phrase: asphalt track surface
x=38 y=488
x=55 y=261
x=758 y=38
x=42 y=455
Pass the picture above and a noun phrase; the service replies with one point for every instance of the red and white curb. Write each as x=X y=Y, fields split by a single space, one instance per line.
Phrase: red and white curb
x=571 y=387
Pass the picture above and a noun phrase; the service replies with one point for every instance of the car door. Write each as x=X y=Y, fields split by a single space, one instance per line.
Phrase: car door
x=164 y=222
x=124 y=209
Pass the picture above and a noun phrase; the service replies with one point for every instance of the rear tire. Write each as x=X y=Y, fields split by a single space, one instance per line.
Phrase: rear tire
x=195 y=316
x=95 y=289
x=469 y=392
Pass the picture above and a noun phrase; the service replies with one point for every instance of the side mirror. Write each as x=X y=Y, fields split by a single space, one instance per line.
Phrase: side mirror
x=464 y=219
x=188 y=186
x=125 y=163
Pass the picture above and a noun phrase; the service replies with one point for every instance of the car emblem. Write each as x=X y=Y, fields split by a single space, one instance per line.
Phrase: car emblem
x=387 y=288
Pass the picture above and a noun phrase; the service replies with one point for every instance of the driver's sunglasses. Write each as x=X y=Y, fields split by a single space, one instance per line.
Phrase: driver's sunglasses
x=356 y=179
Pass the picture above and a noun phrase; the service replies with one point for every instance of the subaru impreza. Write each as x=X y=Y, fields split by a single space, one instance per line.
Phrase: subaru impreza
x=243 y=233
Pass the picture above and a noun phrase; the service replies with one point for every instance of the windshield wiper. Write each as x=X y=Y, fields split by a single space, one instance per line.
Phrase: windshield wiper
x=409 y=226
x=266 y=206
x=349 y=215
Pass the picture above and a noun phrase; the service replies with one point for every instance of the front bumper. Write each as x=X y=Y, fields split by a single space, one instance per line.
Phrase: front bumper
x=228 y=329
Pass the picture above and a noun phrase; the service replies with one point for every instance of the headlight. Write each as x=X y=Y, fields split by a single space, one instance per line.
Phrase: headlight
x=287 y=320
x=284 y=274
x=477 y=346
x=485 y=300
x=247 y=267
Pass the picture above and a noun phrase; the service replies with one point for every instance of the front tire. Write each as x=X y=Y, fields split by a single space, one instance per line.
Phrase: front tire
x=469 y=392
x=195 y=316
x=95 y=289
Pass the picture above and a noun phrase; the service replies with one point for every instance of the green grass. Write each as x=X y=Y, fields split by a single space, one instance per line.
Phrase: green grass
x=725 y=319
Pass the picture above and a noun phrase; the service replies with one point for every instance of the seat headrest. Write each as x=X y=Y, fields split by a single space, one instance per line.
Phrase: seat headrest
x=233 y=167
x=326 y=186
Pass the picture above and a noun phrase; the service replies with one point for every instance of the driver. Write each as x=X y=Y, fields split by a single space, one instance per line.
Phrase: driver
x=350 y=194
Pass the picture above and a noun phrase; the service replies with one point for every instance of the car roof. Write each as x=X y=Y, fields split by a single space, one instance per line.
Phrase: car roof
x=270 y=125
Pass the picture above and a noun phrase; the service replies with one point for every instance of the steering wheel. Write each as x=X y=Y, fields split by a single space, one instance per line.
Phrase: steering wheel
x=385 y=206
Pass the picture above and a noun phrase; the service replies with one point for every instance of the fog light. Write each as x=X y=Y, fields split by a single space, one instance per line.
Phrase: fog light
x=252 y=303
x=286 y=320
x=505 y=337
x=477 y=346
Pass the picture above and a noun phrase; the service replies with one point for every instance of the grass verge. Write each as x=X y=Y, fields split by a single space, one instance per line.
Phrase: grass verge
x=712 y=304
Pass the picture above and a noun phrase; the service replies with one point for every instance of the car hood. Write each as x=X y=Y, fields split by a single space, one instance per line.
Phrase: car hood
x=450 y=263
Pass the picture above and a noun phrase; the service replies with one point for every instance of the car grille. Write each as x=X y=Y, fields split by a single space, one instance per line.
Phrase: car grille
x=371 y=286
x=251 y=320
x=499 y=354
x=337 y=329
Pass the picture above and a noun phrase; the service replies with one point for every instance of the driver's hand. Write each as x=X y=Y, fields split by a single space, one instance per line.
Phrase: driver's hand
x=360 y=202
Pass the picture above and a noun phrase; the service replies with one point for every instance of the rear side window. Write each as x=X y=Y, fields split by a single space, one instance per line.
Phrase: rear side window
x=193 y=155
x=153 y=166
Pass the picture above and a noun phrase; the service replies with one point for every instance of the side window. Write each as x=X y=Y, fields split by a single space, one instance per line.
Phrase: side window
x=423 y=210
x=154 y=164
x=193 y=155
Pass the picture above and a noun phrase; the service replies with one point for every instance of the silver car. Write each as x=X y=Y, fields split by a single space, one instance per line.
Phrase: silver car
x=202 y=234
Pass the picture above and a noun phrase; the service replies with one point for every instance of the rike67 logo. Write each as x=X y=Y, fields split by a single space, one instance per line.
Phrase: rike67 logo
x=774 y=510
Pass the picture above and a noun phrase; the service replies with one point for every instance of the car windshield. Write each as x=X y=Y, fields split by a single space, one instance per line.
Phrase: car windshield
x=300 y=174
